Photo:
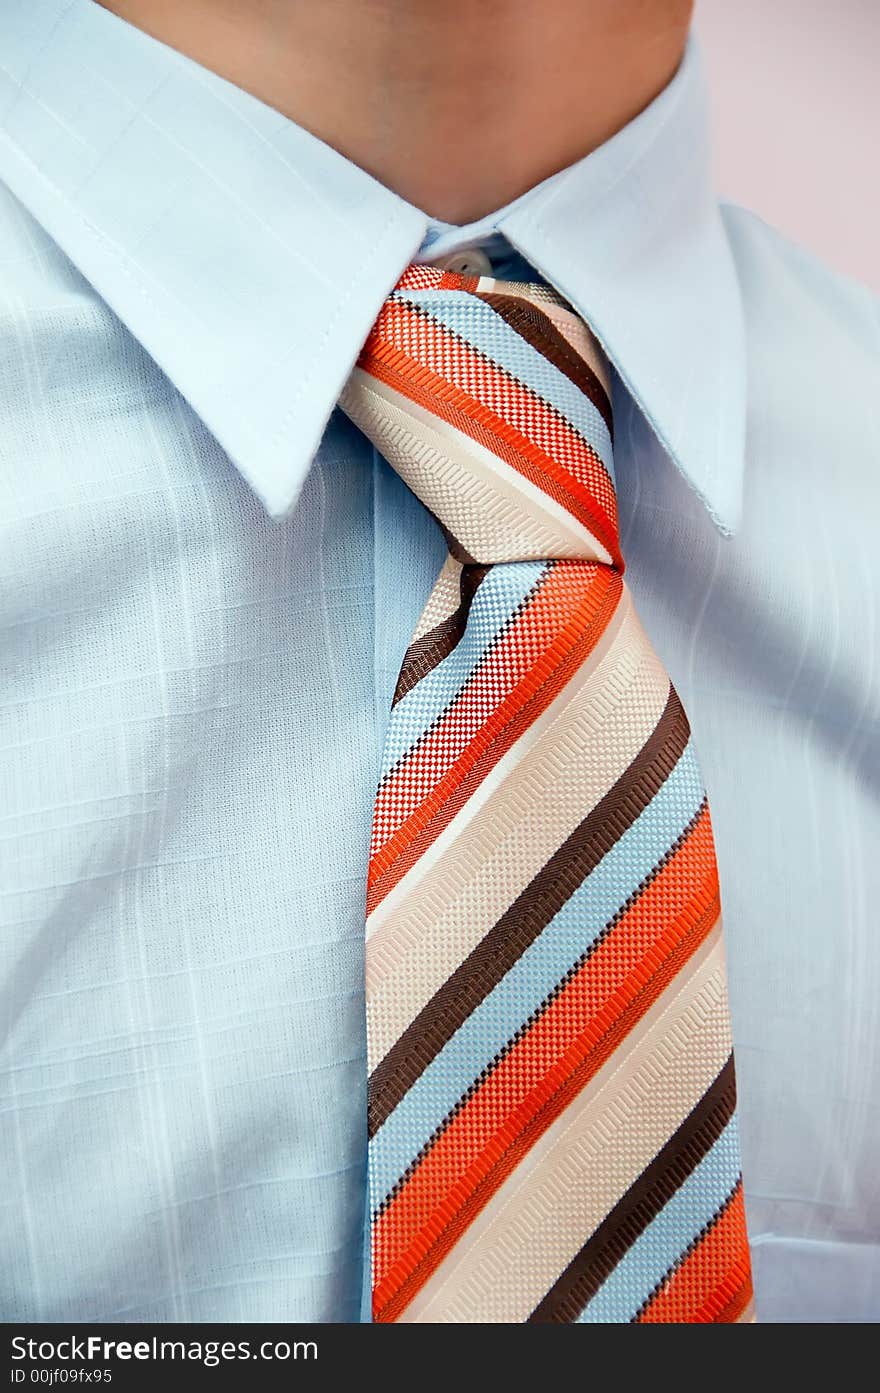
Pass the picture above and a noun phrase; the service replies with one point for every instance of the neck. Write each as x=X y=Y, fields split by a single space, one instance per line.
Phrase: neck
x=458 y=108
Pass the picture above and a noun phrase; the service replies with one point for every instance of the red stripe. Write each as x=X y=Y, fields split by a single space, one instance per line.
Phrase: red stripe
x=573 y=474
x=417 y=277
x=470 y=369
x=544 y=1071
x=543 y=648
x=713 y=1284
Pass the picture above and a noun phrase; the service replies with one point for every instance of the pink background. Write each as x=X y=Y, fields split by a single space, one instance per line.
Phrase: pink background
x=795 y=98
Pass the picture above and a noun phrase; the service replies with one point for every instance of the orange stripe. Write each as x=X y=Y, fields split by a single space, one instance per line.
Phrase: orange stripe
x=714 y=1278
x=422 y=277
x=574 y=604
x=400 y=325
x=741 y=1305
x=544 y=1071
x=393 y=367
x=571 y=461
x=591 y=498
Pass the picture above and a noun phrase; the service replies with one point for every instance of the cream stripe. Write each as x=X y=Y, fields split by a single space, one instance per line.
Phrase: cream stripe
x=515 y=756
x=493 y=510
x=549 y=791
x=443 y=600
x=577 y=334
x=528 y=1233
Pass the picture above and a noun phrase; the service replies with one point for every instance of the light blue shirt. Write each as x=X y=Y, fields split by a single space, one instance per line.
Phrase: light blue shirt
x=204 y=599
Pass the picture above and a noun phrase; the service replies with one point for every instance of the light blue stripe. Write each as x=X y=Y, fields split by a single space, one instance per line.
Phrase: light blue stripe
x=502 y=591
x=667 y=1237
x=483 y=329
x=528 y=983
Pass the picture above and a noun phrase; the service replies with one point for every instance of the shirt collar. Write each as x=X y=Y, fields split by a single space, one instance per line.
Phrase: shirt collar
x=250 y=259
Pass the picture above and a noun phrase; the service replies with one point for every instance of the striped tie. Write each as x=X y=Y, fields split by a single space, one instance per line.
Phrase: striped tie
x=551 y=1092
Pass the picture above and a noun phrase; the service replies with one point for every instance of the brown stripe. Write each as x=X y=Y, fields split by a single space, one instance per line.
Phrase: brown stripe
x=529 y=914
x=496 y=639
x=533 y=325
x=424 y=655
x=642 y=1202
x=695 y=1242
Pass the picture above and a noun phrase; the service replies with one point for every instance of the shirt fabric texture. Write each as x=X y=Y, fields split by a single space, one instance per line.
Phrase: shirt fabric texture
x=208 y=579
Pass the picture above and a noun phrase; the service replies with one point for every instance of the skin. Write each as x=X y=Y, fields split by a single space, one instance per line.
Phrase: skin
x=457 y=105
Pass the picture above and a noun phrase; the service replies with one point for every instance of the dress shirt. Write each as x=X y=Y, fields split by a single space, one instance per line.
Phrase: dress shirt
x=208 y=579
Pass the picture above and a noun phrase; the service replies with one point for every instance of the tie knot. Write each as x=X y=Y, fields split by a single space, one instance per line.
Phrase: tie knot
x=490 y=399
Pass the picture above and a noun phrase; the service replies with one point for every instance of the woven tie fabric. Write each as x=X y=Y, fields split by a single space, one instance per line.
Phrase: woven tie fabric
x=551 y=1092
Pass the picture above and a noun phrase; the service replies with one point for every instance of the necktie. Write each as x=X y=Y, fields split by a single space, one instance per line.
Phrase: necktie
x=551 y=1089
